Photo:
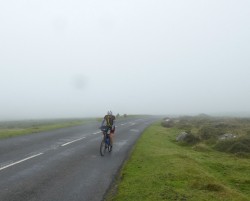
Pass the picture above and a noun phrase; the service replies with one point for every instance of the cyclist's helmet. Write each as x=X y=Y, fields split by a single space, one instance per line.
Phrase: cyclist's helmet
x=109 y=112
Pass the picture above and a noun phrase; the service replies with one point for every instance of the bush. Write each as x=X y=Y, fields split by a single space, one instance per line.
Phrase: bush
x=208 y=132
x=224 y=145
x=234 y=145
x=239 y=147
x=186 y=127
x=191 y=139
x=168 y=124
x=201 y=147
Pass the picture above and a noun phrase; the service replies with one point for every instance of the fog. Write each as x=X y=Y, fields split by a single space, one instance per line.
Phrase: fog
x=61 y=59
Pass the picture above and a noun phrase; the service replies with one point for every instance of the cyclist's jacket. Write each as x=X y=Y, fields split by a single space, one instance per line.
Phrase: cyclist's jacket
x=109 y=120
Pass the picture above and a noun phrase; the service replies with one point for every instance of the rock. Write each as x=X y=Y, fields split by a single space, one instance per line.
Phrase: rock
x=181 y=136
x=227 y=136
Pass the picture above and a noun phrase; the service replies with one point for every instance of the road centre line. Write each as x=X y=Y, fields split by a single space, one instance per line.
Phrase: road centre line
x=96 y=132
x=25 y=159
x=72 y=141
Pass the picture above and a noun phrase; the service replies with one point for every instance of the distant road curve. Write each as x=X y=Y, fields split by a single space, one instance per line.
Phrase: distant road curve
x=64 y=164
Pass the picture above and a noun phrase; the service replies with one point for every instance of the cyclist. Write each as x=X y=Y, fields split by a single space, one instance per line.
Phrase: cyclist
x=109 y=122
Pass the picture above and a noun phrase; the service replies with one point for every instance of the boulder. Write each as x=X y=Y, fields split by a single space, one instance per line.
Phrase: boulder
x=181 y=136
x=227 y=136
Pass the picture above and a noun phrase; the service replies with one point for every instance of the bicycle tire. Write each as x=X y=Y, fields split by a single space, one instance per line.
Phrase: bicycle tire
x=102 y=148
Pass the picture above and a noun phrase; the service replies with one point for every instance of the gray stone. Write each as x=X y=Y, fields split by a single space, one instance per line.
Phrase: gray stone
x=181 y=136
x=227 y=136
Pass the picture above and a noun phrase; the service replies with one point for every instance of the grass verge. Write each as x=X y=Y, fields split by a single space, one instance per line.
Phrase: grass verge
x=16 y=128
x=161 y=169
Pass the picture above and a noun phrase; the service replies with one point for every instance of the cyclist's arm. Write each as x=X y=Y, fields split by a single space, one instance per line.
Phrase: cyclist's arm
x=103 y=121
x=113 y=126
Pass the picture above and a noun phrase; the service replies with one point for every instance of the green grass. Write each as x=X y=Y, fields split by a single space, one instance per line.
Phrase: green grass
x=161 y=169
x=16 y=128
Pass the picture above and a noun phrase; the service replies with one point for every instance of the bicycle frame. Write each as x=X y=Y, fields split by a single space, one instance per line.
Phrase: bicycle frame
x=105 y=144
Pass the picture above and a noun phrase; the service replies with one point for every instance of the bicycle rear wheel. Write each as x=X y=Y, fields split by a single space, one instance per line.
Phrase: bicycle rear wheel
x=102 y=148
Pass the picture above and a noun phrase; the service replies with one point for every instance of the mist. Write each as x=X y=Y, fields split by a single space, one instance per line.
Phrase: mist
x=67 y=59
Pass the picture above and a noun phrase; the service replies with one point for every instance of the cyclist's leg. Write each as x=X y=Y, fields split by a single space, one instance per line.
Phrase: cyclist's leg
x=111 y=135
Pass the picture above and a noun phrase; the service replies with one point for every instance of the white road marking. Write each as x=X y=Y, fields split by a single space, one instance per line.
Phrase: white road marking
x=25 y=159
x=128 y=123
x=96 y=133
x=72 y=141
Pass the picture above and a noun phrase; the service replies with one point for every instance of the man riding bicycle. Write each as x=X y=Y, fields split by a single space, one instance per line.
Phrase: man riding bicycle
x=109 y=122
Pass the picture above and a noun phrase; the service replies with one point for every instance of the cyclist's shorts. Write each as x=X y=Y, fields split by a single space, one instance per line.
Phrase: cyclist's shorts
x=106 y=129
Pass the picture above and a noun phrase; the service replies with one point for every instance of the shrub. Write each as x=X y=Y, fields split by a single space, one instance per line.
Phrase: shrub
x=186 y=127
x=239 y=147
x=168 y=124
x=207 y=132
x=224 y=145
x=190 y=139
x=201 y=147
x=234 y=145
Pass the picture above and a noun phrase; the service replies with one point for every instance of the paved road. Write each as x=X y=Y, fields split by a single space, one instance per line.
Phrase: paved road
x=65 y=164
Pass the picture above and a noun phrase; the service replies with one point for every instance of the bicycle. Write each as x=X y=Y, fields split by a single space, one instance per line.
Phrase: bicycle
x=105 y=144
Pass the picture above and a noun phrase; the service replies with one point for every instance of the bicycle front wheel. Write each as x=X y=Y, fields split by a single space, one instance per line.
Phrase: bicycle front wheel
x=102 y=148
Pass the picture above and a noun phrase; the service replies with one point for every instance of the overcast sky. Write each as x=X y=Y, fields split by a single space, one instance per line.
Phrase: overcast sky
x=79 y=58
